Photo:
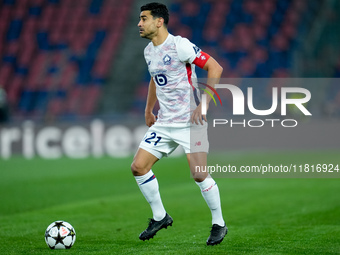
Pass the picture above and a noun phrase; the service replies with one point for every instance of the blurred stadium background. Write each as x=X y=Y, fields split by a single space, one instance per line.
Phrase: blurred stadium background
x=71 y=60
x=65 y=62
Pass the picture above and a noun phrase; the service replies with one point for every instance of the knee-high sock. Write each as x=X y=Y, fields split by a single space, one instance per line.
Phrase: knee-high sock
x=211 y=195
x=148 y=185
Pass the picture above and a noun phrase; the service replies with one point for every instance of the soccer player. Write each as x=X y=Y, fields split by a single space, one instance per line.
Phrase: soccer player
x=171 y=62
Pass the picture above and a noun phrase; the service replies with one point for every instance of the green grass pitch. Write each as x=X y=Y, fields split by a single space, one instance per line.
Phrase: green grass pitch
x=100 y=198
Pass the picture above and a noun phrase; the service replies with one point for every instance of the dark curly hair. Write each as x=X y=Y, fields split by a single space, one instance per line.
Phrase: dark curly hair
x=157 y=10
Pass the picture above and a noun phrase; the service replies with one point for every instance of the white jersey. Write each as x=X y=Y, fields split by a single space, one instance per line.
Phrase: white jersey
x=171 y=67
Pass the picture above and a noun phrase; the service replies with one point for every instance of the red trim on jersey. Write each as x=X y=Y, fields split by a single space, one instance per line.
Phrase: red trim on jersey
x=201 y=59
x=189 y=73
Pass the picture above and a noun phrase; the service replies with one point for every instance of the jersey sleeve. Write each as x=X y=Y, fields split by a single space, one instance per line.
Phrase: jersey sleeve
x=190 y=53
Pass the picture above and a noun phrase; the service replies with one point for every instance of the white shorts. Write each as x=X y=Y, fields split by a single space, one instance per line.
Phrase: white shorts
x=162 y=140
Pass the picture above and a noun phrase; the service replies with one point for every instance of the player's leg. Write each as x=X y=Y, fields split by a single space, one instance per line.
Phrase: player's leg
x=142 y=162
x=196 y=148
x=147 y=182
x=208 y=186
x=141 y=166
x=210 y=193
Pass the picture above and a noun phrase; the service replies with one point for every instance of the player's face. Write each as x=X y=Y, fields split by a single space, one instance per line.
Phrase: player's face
x=147 y=25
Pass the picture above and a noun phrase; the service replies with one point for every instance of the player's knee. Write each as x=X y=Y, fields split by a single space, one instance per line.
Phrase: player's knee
x=134 y=168
x=199 y=176
x=138 y=169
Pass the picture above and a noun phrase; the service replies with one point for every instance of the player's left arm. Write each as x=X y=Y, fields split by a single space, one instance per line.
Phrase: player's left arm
x=214 y=70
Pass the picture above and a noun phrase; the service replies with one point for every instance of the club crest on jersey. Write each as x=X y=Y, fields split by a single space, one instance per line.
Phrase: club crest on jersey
x=167 y=60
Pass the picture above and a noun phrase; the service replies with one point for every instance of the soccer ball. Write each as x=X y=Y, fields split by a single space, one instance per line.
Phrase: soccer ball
x=60 y=235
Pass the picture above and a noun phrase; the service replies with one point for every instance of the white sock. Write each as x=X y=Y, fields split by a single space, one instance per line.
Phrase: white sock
x=211 y=195
x=148 y=185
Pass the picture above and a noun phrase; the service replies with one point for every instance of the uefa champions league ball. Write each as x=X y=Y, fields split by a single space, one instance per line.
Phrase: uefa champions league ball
x=60 y=235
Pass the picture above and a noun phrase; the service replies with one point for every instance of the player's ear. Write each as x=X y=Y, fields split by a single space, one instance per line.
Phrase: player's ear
x=160 y=22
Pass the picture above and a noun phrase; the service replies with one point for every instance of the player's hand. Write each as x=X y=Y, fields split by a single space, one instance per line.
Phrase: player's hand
x=150 y=119
x=197 y=116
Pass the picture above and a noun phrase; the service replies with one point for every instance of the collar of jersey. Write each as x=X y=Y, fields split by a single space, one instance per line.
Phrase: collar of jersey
x=158 y=46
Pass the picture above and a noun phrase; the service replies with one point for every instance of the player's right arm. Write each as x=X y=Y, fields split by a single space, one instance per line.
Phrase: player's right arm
x=150 y=118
